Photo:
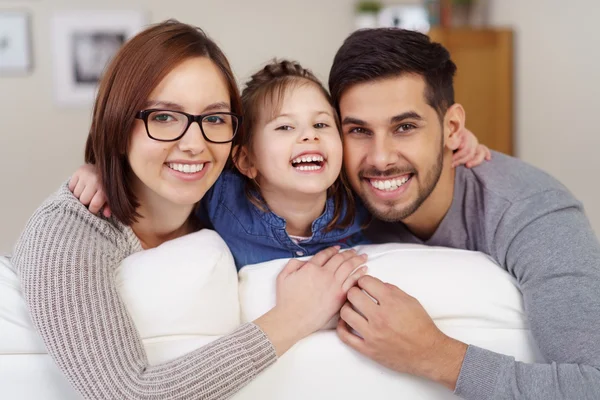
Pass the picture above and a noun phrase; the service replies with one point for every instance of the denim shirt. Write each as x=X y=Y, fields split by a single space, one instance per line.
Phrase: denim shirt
x=255 y=236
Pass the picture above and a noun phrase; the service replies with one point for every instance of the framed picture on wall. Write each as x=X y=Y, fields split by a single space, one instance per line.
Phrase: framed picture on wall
x=15 y=42
x=84 y=42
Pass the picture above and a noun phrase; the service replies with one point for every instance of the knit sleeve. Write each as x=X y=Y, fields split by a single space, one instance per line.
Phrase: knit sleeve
x=66 y=259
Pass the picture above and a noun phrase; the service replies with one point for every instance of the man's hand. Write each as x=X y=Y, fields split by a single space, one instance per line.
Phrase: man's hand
x=396 y=331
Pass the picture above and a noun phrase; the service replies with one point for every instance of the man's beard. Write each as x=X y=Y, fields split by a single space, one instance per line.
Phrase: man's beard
x=431 y=179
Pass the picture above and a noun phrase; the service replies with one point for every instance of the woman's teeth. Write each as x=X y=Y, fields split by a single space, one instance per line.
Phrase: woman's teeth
x=388 y=184
x=186 y=168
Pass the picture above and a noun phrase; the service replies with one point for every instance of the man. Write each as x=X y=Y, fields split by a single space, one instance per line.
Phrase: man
x=394 y=92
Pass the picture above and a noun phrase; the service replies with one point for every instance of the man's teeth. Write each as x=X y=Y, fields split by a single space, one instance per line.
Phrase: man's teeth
x=308 y=158
x=186 y=168
x=389 y=184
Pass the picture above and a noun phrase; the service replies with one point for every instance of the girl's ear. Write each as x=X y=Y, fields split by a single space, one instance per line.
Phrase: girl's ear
x=454 y=124
x=242 y=161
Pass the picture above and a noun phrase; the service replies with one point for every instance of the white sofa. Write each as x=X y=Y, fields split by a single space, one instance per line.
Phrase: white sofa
x=186 y=293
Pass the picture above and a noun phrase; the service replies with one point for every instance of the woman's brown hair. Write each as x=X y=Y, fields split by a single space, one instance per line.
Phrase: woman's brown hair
x=264 y=92
x=132 y=75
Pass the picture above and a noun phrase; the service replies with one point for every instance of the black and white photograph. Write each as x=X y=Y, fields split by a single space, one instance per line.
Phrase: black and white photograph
x=92 y=52
x=84 y=43
x=15 y=45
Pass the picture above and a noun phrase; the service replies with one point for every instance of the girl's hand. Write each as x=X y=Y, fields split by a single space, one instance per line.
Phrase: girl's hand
x=86 y=186
x=309 y=294
x=470 y=152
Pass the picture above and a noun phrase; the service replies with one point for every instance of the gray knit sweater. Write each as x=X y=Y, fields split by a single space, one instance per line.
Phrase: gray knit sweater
x=66 y=259
x=537 y=231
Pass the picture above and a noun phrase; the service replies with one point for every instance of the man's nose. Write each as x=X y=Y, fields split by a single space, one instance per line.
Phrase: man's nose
x=382 y=153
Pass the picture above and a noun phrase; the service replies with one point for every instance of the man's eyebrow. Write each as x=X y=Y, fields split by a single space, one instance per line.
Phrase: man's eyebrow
x=405 y=115
x=353 y=121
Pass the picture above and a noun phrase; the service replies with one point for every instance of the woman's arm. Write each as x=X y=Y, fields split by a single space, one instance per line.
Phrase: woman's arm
x=66 y=259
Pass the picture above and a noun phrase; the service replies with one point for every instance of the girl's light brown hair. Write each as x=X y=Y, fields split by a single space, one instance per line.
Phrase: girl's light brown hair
x=263 y=93
x=135 y=71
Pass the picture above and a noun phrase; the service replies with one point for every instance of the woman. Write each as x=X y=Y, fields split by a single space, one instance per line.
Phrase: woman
x=66 y=256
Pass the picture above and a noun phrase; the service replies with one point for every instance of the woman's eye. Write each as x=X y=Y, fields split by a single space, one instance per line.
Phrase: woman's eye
x=162 y=118
x=214 y=119
x=284 y=128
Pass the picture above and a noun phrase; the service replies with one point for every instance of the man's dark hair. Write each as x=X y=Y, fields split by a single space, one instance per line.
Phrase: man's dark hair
x=374 y=54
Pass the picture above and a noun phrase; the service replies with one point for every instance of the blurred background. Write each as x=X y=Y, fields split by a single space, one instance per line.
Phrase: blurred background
x=528 y=74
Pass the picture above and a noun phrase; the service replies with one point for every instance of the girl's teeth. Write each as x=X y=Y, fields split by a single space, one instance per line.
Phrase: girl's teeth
x=308 y=168
x=304 y=159
x=186 y=168
x=389 y=184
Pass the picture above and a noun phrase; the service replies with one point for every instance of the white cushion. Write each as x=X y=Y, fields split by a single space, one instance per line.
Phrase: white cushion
x=181 y=296
x=468 y=296
x=23 y=358
x=184 y=294
x=183 y=289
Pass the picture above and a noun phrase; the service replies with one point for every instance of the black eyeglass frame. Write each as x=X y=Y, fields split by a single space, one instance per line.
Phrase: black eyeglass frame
x=143 y=115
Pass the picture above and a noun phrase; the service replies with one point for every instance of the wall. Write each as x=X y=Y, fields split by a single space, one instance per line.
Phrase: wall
x=41 y=144
x=558 y=90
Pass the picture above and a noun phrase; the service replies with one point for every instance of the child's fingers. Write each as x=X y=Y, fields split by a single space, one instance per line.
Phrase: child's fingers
x=488 y=153
x=73 y=182
x=87 y=195
x=97 y=202
x=477 y=160
x=462 y=156
x=107 y=211
x=79 y=187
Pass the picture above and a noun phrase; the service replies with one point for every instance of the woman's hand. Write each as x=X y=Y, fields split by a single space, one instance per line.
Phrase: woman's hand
x=309 y=294
x=86 y=186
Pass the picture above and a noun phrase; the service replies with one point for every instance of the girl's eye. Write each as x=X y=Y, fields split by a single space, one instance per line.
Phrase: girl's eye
x=320 y=125
x=284 y=128
x=405 y=128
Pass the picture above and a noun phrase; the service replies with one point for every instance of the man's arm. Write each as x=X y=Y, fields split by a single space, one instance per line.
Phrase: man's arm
x=547 y=243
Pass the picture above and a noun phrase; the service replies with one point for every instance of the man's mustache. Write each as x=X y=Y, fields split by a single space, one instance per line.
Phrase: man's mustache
x=375 y=173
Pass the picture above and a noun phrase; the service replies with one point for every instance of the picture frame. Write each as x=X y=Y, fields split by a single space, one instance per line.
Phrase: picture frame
x=15 y=42
x=84 y=42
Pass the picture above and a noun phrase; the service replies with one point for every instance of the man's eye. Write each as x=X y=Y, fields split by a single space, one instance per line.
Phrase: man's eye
x=358 y=131
x=405 y=128
x=284 y=128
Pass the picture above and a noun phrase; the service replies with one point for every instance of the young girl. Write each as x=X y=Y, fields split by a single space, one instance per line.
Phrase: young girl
x=286 y=196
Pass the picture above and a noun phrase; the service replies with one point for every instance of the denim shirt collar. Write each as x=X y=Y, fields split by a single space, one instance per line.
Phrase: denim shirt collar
x=317 y=226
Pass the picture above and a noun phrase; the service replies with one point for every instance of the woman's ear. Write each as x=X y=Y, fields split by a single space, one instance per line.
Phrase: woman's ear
x=242 y=161
x=454 y=123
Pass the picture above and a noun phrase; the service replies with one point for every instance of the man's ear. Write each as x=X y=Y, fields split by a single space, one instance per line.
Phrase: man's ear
x=454 y=123
x=242 y=160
